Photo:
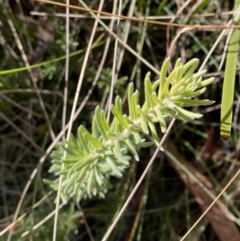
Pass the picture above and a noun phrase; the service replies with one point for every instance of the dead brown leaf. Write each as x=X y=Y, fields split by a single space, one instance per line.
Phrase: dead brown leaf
x=224 y=228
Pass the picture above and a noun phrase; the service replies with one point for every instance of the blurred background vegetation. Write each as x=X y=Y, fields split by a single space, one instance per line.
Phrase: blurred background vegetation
x=31 y=115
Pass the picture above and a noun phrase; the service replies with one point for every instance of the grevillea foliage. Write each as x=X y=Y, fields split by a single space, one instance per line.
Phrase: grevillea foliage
x=93 y=157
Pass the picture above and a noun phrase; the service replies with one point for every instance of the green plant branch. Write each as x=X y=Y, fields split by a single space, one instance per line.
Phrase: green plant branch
x=112 y=226
x=92 y=158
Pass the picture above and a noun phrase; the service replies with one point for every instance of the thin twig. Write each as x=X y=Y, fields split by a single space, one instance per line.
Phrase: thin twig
x=80 y=81
x=210 y=206
x=196 y=26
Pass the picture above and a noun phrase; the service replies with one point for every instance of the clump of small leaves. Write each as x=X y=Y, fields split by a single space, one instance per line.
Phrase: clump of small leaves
x=67 y=226
x=92 y=158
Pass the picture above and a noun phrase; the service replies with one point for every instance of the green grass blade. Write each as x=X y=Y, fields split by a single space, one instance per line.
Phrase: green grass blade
x=229 y=82
x=20 y=69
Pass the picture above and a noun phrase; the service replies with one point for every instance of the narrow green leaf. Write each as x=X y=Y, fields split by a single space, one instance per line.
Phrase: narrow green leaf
x=95 y=131
x=90 y=182
x=197 y=82
x=116 y=126
x=137 y=137
x=104 y=122
x=189 y=81
x=54 y=169
x=187 y=113
x=148 y=117
x=206 y=82
x=178 y=75
x=155 y=85
x=73 y=158
x=192 y=103
x=178 y=63
x=72 y=149
x=156 y=100
x=89 y=158
x=181 y=90
x=134 y=128
x=196 y=93
x=100 y=124
x=190 y=88
x=133 y=114
x=47 y=181
x=83 y=139
x=175 y=88
x=130 y=123
x=198 y=75
x=169 y=80
x=119 y=116
x=95 y=142
x=117 y=153
x=148 y=92
x=134 y=105
x=118 y=105
x=70 y=182
x=161 y=120
x=189 y=67
x=144 y=126
x=98 y=176
x=132 y=149
x=94 y=191
x=192 y=68
x=154 y=132
x=162 y=78
x=130 y=104
x=144 y=144
x=130 y=90
x=229 y=81
x=167 y=111
x=82 y=174
x=140 y=111
x=113 y=167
